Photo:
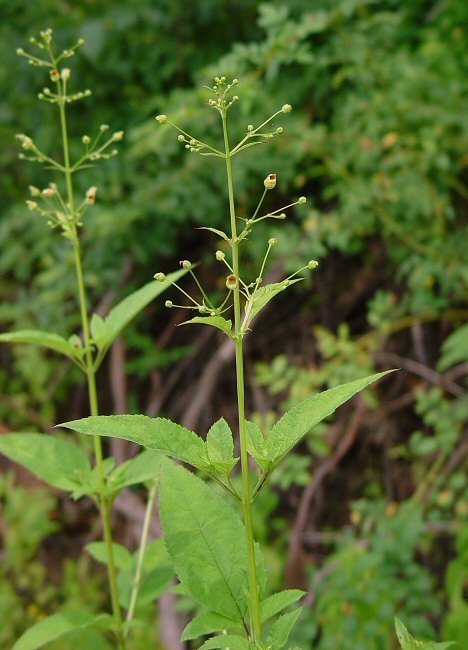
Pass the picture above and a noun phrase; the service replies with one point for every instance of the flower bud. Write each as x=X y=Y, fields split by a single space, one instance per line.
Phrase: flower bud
x=65 y=74
x=35 y=191
x=220 y=256
x=287 y=108
x=32 y=205
x=270 y=181
x=91 y=195
x=312 y=264
x=272 y=241
x=302 y=199
x=54 y=74
x=118 y=135
x=185 y=264
x=231 y=282
x=250 y=128
x=48 y=193
x=162 y=119
x=104 y=127
x=169 y=303
x=86 y=139
x=279 y=216
x=181 y=138
x=160 y=277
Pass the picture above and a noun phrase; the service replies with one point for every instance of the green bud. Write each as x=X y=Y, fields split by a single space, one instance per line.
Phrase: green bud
x=231 y=282
x=272 y=241
x=181 y=138
x=220 y=256
x=86 y=139
x=302 y=199
x=169 y=303
x=287 y=108
x=270 y=182
x=185 y=264
x=160 y=277
x=162 y=119
x=312 y=264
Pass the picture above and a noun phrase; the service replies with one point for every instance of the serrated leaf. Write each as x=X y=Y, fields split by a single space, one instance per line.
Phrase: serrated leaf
x=56 y=626
x=408 y=642
x=281 y=629
x=126 y=310
x=220 y=447
x=146 y=466
x=57 y=462
x=256 y=445
x=215 y=321
x=220 y=233
x=205 y=624
x=205 y=540
x=122 y=557
x=154 y=433
x=277 y=602
x=39 y=337
x=294 y=425
x=266 y=293
x=231 y=641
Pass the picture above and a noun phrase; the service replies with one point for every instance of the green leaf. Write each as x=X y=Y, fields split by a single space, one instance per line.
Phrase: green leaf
x=266 y=293
x=121 y=315
x=57 y=462
x=220 y=233
x=231 y=641
x=256 y=445
x=38 y=337
x=58 y=625
x=205 y=624
x=154 y=433
x=99 y=331
x=281 y=629
x=122 y=557
x=146 y=466
x=454 y=348
x=294 y=425
x=206 y=542
x=408 y=642
x=277 y=602
x=215 y=321
x=155 y=555
x=152 y=585
x=220 y=447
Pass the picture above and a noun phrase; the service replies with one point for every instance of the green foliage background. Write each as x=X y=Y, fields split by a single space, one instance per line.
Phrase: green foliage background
x=377 y=142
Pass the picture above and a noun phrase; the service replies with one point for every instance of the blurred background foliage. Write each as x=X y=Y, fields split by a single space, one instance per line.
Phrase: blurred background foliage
x=375 y=503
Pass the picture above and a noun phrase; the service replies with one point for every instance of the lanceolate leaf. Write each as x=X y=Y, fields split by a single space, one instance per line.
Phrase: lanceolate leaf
x=256 y=445
x=38 y=337
x=266 y=293
x=231 y=641
x=215 y=321
x=154 y=433
x=58 y=625
x=281 y=629
x=206 y=542
x=129 y=307
x=408 y=642
x=205 y=624
x=277 y=602
x=294 y=425
x=57 y=462
x=220 y=233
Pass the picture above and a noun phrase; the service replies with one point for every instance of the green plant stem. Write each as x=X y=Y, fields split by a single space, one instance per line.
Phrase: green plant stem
x=92 y=392
x=246 y=499
x=141 y=557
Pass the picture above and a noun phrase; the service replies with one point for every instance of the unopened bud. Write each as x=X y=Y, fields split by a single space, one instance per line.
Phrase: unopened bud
x=91 y=195
x=272 y=241
x=35 y=191
x=220 y=256
x=65 y=74
x=185 y=264
x=48 y=193
x=86 y=139
x=162 y=119
x=231 y=282
x=270 y=182
x=302 y=199
x=312 y=264
x=32 y=205
x=103 y=127
x=160 y=277
x=169 y=303
x=286 y=108
x=118 y=135
x=279 y=216
x=54 y=74
x=181 y=138
x=250 y=128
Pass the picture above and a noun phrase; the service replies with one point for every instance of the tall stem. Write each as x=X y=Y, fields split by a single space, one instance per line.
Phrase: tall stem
x=104 y=506
x=246 y=496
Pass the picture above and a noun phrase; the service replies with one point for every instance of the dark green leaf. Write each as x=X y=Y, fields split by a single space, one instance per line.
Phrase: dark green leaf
x=122 y=557
x=256 y=445
x=231 y=641
x=38 y=337
x=266 y=293
x=215 y=321
x=205 y=624
x=277 y=602
x=281 y=629
x=146 y=466
x=220 y=447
